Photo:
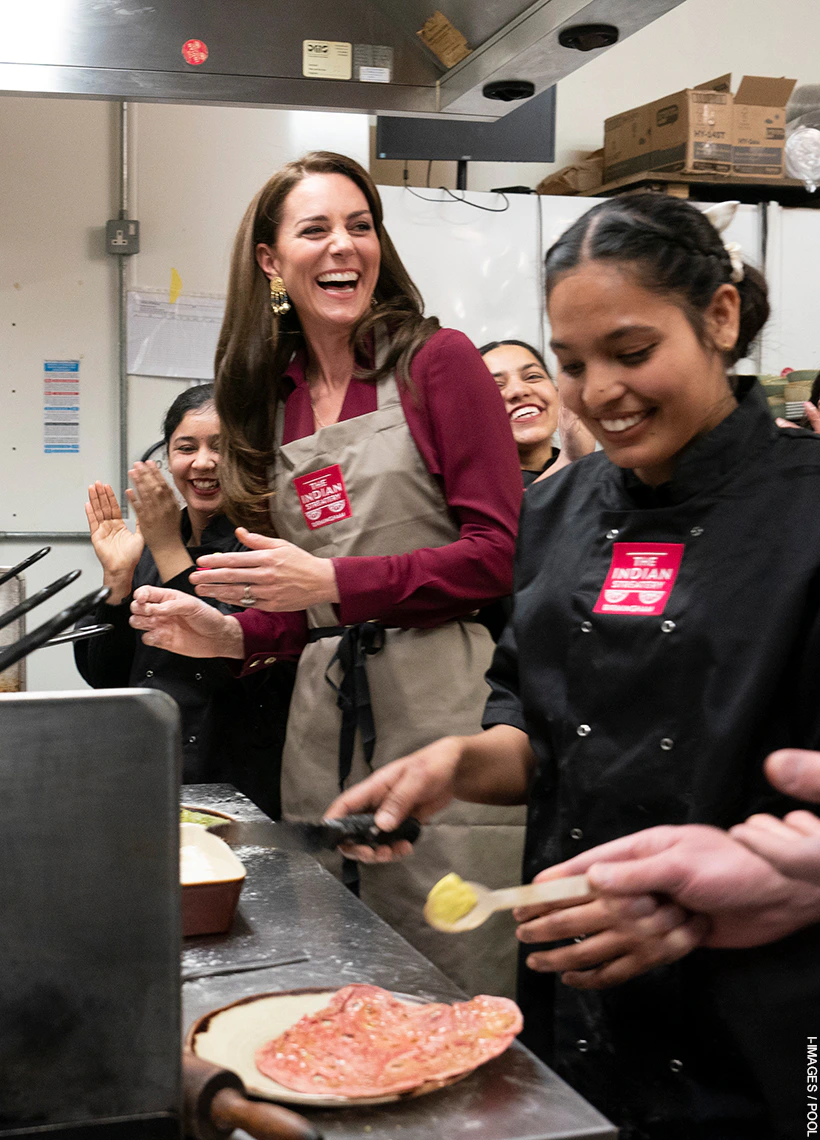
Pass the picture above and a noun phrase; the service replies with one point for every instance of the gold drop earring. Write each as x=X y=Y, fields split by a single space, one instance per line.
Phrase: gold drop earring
x=279 y=300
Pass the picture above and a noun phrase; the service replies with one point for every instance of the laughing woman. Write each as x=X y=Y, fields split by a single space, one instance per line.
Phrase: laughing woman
x=535 y=409
x=232 y=730
x=373 y=444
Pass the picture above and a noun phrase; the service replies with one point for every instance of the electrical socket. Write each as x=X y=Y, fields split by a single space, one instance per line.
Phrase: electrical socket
x=122 y=236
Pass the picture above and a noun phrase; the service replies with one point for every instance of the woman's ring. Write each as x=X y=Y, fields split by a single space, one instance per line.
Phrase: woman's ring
x=247 y=597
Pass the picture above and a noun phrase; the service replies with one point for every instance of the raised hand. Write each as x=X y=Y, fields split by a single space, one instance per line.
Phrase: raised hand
x=576 y=439
x=181 y=624
x=155 y=505
x=282 y=577
x=117 y=548
x=158 y=516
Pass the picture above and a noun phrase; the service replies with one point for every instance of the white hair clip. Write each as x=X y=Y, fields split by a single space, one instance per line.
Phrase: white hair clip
x=721 y=216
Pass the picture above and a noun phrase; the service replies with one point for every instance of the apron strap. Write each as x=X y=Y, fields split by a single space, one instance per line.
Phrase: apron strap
x=357 y=642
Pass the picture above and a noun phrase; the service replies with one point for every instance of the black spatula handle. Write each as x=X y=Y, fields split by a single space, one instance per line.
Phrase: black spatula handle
x=362 y=829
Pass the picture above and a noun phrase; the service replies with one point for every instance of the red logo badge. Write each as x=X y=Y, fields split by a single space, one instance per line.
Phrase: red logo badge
x=640 y=578
x=194 y=52
x=323 y=497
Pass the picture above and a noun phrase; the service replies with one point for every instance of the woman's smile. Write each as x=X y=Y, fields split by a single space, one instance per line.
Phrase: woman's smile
x=633 y=369
x=327 y=252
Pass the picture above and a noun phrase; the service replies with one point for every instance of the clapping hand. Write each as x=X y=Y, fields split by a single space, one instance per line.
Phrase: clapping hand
x=117 y=548
x=155 y=505
x=158 y=517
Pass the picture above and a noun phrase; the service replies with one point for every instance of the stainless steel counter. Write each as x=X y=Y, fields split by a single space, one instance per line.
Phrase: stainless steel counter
x=294 y=913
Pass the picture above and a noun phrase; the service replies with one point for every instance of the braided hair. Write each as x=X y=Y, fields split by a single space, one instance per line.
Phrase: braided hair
x=674 y=249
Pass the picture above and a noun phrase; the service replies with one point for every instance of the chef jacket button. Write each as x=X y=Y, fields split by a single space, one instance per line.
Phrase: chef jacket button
x=583 y=730
x=192 y=740
x=149 y=672
x=576 y=833
x=586 y=627
x=675 y=1065
x=667 y=626
x=197 y=676
x=270 y=660
x=612 y=533
x=667 y=744
x=582 y=1045
x=696 y=531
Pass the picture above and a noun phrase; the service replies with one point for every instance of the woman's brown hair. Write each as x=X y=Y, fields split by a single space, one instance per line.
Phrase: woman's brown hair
x=255 y=346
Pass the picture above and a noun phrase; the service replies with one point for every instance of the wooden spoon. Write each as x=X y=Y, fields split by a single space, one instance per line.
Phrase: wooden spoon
x=554 y=890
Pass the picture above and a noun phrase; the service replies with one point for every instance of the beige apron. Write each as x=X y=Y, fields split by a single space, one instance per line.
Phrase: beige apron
x=360 y=487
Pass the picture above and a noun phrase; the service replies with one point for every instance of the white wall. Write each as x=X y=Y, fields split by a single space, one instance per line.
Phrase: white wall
x=193 y=171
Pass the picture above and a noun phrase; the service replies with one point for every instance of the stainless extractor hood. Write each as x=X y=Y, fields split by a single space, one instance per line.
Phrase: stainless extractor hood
x=132 y=50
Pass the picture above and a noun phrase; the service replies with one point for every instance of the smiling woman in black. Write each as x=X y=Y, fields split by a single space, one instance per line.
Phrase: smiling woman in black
x=665 y=638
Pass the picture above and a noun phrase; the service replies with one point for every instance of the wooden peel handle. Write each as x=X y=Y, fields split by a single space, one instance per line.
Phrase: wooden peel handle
x=214 y=1104
x=230 y=1109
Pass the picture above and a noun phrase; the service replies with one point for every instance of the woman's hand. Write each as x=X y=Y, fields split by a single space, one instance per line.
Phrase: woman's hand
x=420 y=785
x=576 y=439
x=155 y=505
x=281 y=577
x=181 y=624
x=117 y=548
x=158 y=517
x=614 y=939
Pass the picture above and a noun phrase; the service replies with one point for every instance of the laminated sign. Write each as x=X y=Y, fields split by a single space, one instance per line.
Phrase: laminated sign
x=323 y=497
x=640 y=578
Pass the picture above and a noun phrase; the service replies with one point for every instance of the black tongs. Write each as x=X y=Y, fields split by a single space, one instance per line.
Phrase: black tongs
x=24 y=565
x=31 y=641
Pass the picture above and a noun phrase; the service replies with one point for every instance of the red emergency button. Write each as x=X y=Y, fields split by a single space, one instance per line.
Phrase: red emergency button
x=194 y=52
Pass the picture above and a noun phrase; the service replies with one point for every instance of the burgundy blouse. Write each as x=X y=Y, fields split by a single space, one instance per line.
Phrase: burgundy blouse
x=458 y=421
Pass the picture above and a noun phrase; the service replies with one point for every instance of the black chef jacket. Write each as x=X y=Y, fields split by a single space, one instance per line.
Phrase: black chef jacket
x=660 y=708
x=233 y=729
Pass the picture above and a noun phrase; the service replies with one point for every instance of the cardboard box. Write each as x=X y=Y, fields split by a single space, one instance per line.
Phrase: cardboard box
x=703 y=130
x=690 y=131
x=759 y=131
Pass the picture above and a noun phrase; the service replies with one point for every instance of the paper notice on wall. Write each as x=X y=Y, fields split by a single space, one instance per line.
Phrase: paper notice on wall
x=61 y=407
x=175 y=340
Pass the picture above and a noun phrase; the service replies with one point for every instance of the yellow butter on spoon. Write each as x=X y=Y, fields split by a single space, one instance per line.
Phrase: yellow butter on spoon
x=450 y=899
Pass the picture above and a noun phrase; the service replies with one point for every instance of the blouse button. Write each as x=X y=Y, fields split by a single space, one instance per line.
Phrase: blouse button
x=582 y=1046
x=667 y=626
x=667 y=744
x=612 y=533
x=576 y=833
x=586 y=627
x=675 y=1065
x=583 y=730
x=149 y=672
x=696 y=531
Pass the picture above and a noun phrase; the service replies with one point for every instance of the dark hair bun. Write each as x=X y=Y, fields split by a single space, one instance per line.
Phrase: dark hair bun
x=675 y=248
